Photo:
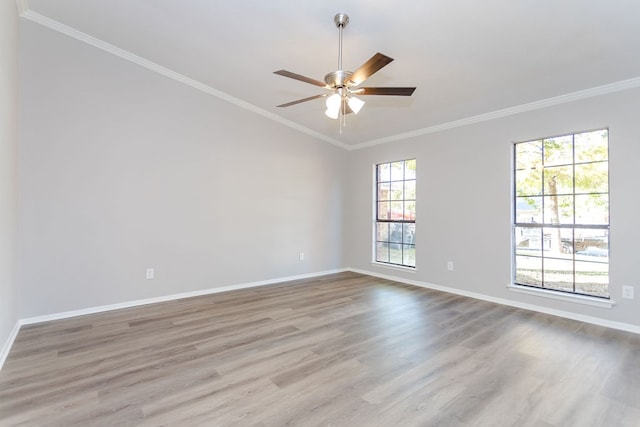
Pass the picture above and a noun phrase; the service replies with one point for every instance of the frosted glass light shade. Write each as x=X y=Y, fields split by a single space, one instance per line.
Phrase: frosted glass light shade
x=332 y=114
x=333 y=106
x=355 y=104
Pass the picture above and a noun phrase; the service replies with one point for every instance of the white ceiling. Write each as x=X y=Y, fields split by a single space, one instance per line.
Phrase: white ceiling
x=466 y=57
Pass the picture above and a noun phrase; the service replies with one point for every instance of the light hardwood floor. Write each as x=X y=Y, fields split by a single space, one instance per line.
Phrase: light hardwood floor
x=342 y=350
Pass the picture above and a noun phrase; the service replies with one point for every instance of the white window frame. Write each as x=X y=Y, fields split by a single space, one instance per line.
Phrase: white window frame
x=580 y=297
x=407 y=224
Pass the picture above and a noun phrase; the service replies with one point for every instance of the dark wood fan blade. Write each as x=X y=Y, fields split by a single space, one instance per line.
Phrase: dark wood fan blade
x=295 y=76
x=397 y=91
x=367 y=69
x=302 y=100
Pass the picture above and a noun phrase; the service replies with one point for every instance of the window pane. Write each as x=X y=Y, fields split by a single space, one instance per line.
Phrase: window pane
x=395 y=232
x=552 y=242
x=529 y=209
x=593 y=254
x=592 y=278
x=397 y=190
x=591 y=243
x=384 y=191
x=528 y=271
x=383 y=210
x=397 y=171
x=558 y=151
x=409 y=234
x=410 y=190
x=382 y=231
x=410 y=211
x=529 y=182
x=592 y=209
x=382 y=252
x=592 y=146
x=409 y=255
x=395 y=253
x=558 y=243
x=558 y=210
x=592 y=178
x=528 y=241
x=558 y=180
x=528 y=155
x=410 y=169
x=558 y=274
x=566 y=236
x=384 y=172
x=397 y=210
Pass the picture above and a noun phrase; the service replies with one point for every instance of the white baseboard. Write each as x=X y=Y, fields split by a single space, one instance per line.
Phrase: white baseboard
x=511 y=303
x=99 y=309
x=127 y=304
x=9 y=343
x=165 y=298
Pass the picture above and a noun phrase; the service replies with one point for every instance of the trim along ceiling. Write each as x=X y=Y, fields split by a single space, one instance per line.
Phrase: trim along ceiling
x=471 y=61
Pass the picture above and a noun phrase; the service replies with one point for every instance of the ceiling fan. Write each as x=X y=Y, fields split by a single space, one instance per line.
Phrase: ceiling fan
x=343 y=85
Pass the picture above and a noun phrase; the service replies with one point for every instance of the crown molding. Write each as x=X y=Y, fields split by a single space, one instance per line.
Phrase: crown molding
x=25 y=12
x=124 y=54
x=536 y=105
x=23 y=6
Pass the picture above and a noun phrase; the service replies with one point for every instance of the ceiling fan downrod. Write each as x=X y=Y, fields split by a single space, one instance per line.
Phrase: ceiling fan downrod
x=341 y=20
x=338 y=78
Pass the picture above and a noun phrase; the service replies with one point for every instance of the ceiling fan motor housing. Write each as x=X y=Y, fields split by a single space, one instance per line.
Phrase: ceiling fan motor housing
x=337 y=79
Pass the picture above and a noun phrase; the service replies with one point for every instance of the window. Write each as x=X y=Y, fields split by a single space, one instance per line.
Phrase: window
x=561 y=218
x=395 y=227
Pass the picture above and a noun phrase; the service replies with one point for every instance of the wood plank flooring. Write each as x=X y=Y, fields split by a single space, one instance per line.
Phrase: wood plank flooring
x=342 y=350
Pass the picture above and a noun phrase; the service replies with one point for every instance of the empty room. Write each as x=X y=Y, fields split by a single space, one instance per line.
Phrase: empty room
x=339 y=213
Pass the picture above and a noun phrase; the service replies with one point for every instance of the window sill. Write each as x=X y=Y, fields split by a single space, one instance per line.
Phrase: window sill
x=579 y=299
x=394 y=267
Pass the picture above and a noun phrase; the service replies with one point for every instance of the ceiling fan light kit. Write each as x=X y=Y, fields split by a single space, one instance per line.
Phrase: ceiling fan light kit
x=343 y=84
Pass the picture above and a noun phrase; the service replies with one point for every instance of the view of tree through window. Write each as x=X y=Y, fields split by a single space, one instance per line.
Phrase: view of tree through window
x=396 y=213
x=561 y=230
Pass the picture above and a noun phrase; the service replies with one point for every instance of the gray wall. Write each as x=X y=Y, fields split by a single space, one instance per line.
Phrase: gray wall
x=123 y=169
x=8 y=166
x=464 y=188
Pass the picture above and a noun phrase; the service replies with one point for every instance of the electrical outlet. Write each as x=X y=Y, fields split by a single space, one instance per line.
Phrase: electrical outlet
x=450 y=265
x=150 y=273
x=301 y=256
x=627 y=292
